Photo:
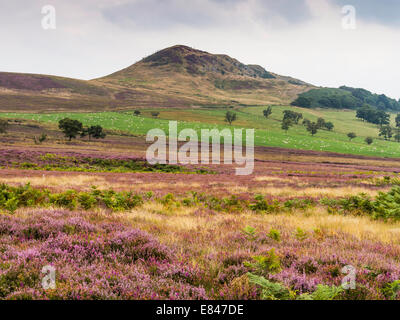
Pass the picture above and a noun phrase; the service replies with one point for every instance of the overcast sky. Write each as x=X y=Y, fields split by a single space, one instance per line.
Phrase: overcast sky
x=300 y=38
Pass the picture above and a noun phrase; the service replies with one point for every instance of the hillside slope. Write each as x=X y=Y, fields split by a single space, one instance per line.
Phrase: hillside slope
x=198 y=77
x=174 y=77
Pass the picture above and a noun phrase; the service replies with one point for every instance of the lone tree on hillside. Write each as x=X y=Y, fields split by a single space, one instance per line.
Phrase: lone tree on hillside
x=292 y=115
x=329 y=125
x=386 y=132
x=3 y=126
x=369 y=140
x=136 y=112
x=306 y=122
x=230 y=117
x=321 y=123
x=267 y=112
x=70 y=128
x=286 y=124
x=351 y=135
x=96 y=132
x=312 y=127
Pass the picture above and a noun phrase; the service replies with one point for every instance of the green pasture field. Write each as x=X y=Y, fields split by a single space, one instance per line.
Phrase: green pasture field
x=268 y=131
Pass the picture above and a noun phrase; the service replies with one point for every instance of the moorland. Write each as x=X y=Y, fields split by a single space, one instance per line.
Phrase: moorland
x=115 y=227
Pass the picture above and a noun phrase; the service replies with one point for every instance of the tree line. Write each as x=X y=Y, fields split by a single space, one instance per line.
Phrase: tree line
x=345 y=98
x=382 y=119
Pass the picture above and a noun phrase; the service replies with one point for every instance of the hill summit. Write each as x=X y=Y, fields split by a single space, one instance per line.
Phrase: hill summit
x=178 y=76
x=198 y=62
x=196 y=77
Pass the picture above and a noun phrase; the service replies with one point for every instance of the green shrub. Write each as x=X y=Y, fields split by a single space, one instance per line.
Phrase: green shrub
x=361 y=203
x=387 y=205
x=391 y=290
x=301 y=204
x=276 y=291
x=119 y=201
x=67 y=199
x=11 y=205
x=250 y=233
x=168 y=200
x=86 y=200
x=322 y=292
x=300 y=234
x=262 y=205
x=275 y=235
x=12 y=198
x=232 y=204
x=271 y=290
x=270 y=263
x=149 y=194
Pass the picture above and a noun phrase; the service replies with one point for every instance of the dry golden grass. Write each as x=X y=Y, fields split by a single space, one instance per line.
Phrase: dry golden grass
x=274 y=179
x=313 y=191
x=171 y=228
x=362 y=228
x=65 y=181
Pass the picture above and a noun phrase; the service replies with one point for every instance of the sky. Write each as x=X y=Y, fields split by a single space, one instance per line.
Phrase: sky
x=323 y=42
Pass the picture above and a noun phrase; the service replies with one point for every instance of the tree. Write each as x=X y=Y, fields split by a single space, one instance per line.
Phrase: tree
x=267 y=112
x=397 y=136
x=136 y=112
x=230 y=117
x=397 y=121
x=306 y=122
x=363 y=112
x=155 y=114
x=96 y=132
x=351 y=135
x=321 y=123
x=369 y=140
x=386 y=132
x=383 y=118
x=302 y=102
x=312 y=127
x=70 y=128
x=372 y=115
x=3 y=126
x=286 y=124
x=292 y=116
x=329 y=125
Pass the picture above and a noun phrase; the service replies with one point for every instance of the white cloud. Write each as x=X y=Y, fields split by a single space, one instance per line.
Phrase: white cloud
x=305 y=40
